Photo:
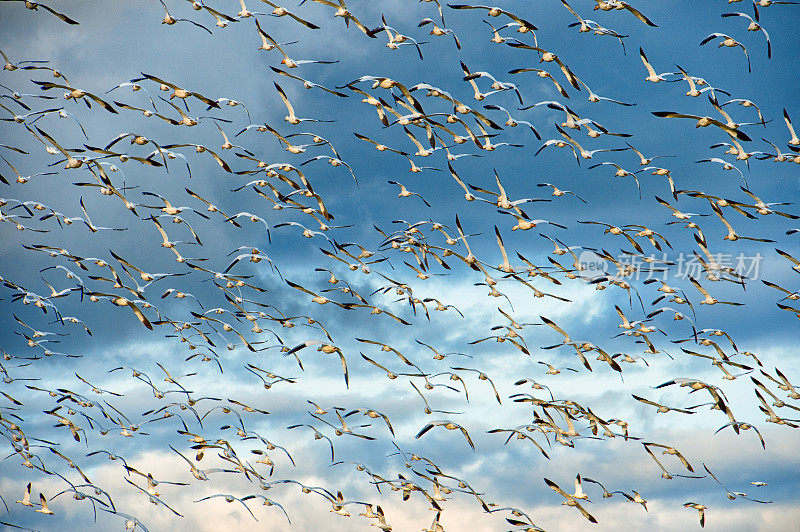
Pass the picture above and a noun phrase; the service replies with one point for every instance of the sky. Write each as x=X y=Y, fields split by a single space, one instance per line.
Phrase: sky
x=116 y=42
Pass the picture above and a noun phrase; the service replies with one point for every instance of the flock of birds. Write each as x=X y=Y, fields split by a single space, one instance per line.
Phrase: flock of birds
x=245 y=305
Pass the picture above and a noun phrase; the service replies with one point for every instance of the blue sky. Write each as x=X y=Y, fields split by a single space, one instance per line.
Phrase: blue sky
x=119 y=41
